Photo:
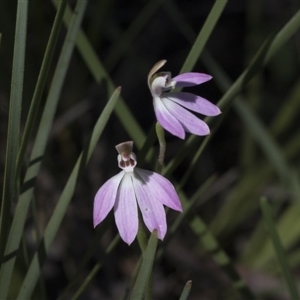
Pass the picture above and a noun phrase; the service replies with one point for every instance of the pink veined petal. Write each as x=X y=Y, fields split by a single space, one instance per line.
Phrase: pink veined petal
x=189 y=122
x=105 y=198
x=161 y=189
x=166 y=119
x=190 y=79
x=126 y=214
x=194 y=103
x=153 y=212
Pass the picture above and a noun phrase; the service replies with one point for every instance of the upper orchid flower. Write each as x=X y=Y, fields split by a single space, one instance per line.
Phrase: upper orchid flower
x=170 y=107
x=131 y=186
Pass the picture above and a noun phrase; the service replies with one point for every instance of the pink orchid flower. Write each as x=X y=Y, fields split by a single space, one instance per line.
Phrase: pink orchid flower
x=171 y=107
x=131 y=188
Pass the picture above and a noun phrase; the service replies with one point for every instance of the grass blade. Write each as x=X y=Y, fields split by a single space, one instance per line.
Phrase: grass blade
x=257 y=129
x=10 y=179
x=264 y=139
x=38 y=152
x=186 y=291
x=34 y=270
x=266 y=210
x=41 y=83
x=146 y=268
x=204 y=35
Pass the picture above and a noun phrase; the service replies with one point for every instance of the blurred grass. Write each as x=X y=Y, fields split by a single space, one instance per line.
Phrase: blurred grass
x=279 y=249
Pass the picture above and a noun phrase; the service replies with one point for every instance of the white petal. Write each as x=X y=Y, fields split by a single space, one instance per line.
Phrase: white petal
x=153 y=212
x=189 y=122
x=166 y=119
x=158 y=85
x=126 y=214
x=161 y=188
x=105 y=198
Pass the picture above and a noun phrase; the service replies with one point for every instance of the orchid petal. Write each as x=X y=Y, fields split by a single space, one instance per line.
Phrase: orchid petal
x=194 y=103
x=189 y=122
x=126 y=214
x=105 y=198
x=166 y=119
x=161 y=190
x=153 y=212
x=190 y=79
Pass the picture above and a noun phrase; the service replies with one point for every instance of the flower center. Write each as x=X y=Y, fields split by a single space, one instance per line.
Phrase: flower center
x=127 y=161
x=160 y=83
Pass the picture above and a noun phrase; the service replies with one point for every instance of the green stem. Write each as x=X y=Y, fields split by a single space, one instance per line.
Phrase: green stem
x=162 y=146
x=142 y=240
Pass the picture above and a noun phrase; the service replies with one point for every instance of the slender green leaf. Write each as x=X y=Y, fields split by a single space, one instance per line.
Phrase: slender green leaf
x=263 y=56
x=288 y=111
x=10 y=181
x=146 y=268
x=186 y=291
x=141 y=236
x=257 y=129
x=64 y=200
x=279 y=249
x=281 y=38
x=38 y=152
x=259 y=133
x=264 y=139
x=41 y=83
x=204 y=35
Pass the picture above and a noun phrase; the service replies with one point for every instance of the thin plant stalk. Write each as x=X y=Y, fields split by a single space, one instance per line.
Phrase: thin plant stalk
x=10 y=181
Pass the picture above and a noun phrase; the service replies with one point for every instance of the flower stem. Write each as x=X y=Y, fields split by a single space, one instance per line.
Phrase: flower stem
x=162 y=146
x=141 y=236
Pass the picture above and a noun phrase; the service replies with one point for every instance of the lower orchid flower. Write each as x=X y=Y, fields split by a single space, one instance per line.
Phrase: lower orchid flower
x=171 y=107
x=131 y=188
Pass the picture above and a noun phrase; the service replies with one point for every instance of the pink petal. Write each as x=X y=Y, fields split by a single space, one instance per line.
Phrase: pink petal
x=194 y=103
x=161 y=189
x=166 y=119
x=189 y=122
x=153 y=212
x=191 y=79
x=105 y=198
x=126 y=214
